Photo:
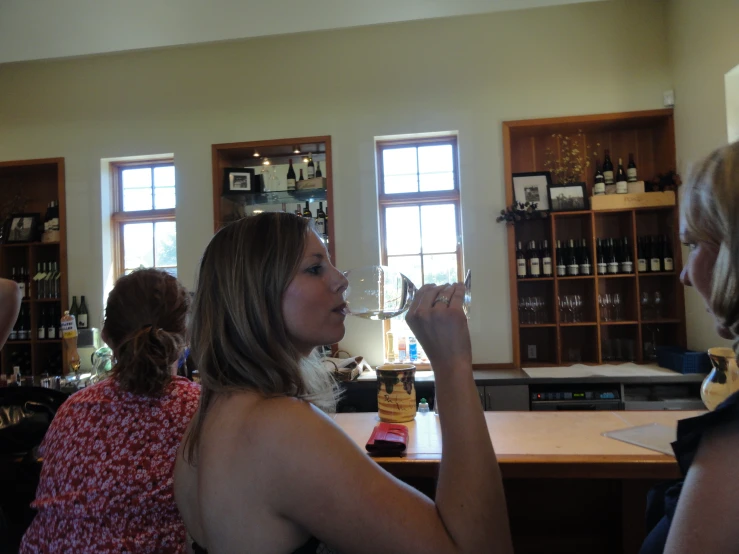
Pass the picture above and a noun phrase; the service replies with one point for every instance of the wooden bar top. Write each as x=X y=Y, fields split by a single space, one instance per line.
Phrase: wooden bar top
x=537 y=444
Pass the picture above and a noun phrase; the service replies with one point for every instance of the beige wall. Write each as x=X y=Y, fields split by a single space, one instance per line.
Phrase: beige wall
x=464 y=74
x=704 y=47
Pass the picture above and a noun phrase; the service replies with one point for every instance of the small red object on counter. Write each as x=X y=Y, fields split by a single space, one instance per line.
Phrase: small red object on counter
x=388 y=439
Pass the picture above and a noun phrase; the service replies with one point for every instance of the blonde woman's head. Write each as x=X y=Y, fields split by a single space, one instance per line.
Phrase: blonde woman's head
x=267 y=295
x=709 y=225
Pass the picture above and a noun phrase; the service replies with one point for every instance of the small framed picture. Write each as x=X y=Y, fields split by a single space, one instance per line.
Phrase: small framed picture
x=23 y=228
x=239 y=180
x=568 y=198
x=532 y=187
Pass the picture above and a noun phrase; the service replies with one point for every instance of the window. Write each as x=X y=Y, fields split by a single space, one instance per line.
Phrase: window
x=420 y=222
x=144 y=228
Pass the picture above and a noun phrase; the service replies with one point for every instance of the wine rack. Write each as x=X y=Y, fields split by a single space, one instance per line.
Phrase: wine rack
x=36 y=183
x=595 y=338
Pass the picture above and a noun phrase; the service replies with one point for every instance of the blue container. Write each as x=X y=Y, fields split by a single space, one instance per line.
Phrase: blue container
x=683 y=361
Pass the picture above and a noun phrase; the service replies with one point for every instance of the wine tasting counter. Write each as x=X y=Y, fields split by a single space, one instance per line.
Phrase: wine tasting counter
x=569 y=488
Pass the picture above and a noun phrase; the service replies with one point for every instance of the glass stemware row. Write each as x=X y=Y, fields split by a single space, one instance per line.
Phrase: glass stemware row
x=651 y=305
x=570 y=308
x=533 y=310
x=611 y=306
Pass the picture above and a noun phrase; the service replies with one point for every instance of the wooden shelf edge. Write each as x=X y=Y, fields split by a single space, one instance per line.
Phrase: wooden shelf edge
x=535 y=279
x=658 y=274
x=537 y=325
x=670 y=321
x=579 y=324
x=611 y=323
x=576 y=277
x=618 y=276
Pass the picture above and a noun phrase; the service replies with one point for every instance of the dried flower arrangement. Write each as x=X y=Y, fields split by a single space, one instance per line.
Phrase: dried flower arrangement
x=571 y=163
x=518 y=211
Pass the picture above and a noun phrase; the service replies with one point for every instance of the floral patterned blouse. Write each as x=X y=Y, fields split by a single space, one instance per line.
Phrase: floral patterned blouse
x=106 y=481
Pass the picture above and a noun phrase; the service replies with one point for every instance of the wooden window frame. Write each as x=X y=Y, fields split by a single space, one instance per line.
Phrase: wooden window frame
x=119 y=218
x=420 y=199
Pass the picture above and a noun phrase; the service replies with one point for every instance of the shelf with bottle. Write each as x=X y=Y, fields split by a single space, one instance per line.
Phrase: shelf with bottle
x=279 y=197
x=535 y=262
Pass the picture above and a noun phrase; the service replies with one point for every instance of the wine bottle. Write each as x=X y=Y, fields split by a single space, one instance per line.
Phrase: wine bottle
x=534 y=261
x=18 y=278
x=602 y=265
x=627 y=264
x=608 y=168
x=599 y=187
x=561 y=263
x=573 y=266
x=521 y=271
x=655 y=260
x=621 y=183
x=22 y=328
x=613 y=264
x=301 y=175
x=321 y=220
x=82 y=317
x=586 y=267
x=318 y=169
x=51 y=324
x=54 y=216
x=75 y=309
x=631 y=169
x=546 y=260
x=641 y=255
x=311 y=168
x=41 y=330
x=667 y=262
x=306 y=212
x=291 y=176
x=299 y=210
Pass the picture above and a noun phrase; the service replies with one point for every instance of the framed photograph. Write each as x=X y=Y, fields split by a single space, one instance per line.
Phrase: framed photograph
x=239 y=180
x=23 y=228
x=568 y=198
x=532 y=187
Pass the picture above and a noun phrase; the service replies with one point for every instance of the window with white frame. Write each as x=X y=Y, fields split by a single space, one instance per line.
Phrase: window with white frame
x=144 y=227
x=420 y=220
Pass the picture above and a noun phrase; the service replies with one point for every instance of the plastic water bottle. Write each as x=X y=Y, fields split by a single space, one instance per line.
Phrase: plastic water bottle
x=412 y=348
x=423 y=406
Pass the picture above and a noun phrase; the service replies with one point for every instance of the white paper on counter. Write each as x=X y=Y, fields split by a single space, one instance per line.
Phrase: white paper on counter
x=652 y=436
x=605 y=370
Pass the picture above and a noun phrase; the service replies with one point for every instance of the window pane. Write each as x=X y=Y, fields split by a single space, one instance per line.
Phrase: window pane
x=440 y=268
x=164 y=176
x=165 y=234
x=136 y=178
x=439 y=228
x=403 y=230
x=410 y=266
x=436 y=181
x=399 y=161
x=138 y=245
x=136 y=199
x=435 y=159
x=164 y=191
x=164 y=198
x=401 y=183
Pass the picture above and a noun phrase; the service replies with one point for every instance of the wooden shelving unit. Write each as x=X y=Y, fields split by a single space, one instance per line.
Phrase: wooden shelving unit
x=38 y=182
x=242 y=154
x=650 y=136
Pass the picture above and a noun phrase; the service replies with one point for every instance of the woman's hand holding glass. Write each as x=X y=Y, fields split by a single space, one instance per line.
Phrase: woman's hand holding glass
x=437 y=319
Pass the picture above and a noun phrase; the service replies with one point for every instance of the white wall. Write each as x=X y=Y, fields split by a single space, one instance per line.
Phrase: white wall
x=464 y=74
x=704 y=47
x=731 y=86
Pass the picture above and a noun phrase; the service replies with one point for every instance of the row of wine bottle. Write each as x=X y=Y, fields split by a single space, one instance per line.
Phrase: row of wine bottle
x=606 y=176
x=613 y=256
x=321 y=219
x=46 y=280
x=48 y=325
x=313 y=170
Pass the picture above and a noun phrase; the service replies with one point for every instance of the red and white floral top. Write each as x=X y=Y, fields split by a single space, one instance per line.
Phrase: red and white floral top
x=106 y=481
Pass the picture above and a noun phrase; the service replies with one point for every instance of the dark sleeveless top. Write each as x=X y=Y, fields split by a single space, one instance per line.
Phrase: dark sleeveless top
x=662 y=499
x=313 y=546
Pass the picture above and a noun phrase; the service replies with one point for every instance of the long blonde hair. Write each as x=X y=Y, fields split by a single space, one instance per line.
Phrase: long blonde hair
x=710 y=214
x=238 y=336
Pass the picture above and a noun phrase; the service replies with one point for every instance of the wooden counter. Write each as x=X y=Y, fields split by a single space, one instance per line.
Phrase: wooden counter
x=582 y=492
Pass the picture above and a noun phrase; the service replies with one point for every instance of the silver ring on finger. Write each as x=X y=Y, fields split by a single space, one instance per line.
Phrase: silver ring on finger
x=441 y=298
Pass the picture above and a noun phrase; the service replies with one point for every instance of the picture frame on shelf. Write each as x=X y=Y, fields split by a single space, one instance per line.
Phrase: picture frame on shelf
x=533 y=187
x=22 y=227
x=568 y=198
x=239 y=180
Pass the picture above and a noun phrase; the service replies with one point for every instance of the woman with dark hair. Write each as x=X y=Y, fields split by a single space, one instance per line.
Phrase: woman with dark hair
x=262 y=468
x=106 y=481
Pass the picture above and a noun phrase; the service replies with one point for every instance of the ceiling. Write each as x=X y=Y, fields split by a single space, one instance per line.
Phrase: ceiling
x=43 y=29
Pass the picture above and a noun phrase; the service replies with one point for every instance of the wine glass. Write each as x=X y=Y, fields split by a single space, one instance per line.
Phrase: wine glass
x=378 y=292
x=657 y=304
x=617 y=307
x=645 y=306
